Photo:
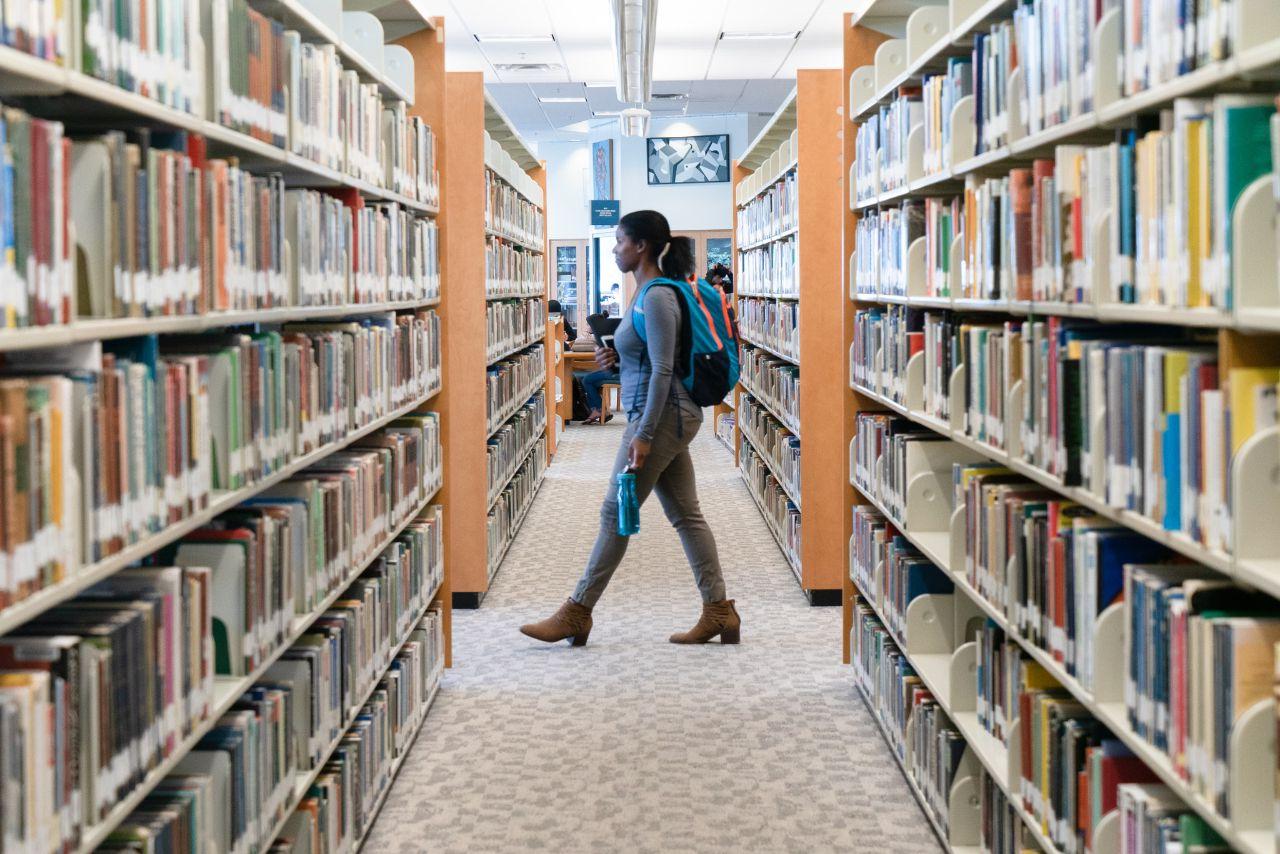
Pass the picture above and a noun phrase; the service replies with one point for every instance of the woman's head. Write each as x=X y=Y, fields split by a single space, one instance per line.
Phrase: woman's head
x=646 y=236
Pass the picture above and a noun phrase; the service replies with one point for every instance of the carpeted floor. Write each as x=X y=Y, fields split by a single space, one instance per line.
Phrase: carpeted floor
x=632 y=743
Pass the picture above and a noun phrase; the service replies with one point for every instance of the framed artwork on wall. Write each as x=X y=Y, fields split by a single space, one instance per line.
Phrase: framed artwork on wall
x=688 y=159
x=602 y=169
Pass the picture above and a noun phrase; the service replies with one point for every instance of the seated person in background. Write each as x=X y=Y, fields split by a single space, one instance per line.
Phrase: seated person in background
x=593 y=380
x=553 y=311
x=720 y=276
x=611 y=302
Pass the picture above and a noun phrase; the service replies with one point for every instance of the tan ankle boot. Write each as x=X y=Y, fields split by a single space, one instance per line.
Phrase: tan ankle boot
x=571 y=621
x=718 y=618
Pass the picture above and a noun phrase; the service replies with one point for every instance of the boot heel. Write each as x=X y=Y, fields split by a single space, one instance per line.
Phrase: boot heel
x=731 y=636
x=580 y=639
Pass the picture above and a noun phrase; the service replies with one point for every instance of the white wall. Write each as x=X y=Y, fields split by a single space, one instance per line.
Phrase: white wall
x=568 y=188
x=689 y=207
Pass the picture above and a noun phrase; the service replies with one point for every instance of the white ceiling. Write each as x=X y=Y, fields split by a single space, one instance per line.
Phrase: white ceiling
x=713 y=76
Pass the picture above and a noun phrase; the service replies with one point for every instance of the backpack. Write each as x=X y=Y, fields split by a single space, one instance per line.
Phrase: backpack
x=707 y=360
x=581 y=412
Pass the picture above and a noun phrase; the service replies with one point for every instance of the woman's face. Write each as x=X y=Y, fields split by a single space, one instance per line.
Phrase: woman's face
x=626 y=252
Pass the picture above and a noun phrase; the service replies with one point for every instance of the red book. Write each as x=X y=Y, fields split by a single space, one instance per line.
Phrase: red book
x=1020 y=201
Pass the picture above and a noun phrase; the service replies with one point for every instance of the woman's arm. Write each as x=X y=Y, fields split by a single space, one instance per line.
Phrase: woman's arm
x=662 y=334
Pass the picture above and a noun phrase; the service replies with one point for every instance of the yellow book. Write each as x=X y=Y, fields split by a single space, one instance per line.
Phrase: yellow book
x=1252 y=401
x=1196 y=213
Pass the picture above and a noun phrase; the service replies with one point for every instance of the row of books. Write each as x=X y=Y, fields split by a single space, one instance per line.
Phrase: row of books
x=882 y=346
x=508 y=509
x=771 y=270
x=194 y=235
x=939 y=94
x=723 y=426
x=880 y=153
x=775 y=442
x=1144 y=219
x=86 y=474
x=259 y=78
x=342 y=804
x=774 y=381
x=507 y=448
x=921 y=735
x=366 y=254
x=888 y=570
x=882 y=238
x=511 y=382
x=237 y=787
x=1139 y=416
x=510 y=214
x=280 y=554
x=512 y=325
x=129 y=665
x=509 y=271
x=781 y=514
x=412 y=169
x=771 y=323
x=1052 y=568
x=1059 y=740
x=95 y=692
x=1051 y=44
x=772 y=213
x=1191 y=637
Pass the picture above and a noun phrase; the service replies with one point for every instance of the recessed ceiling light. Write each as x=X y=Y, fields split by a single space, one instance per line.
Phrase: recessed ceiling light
x=528 y=66
x=557 y=99
x=789 y=34
x=506 y=38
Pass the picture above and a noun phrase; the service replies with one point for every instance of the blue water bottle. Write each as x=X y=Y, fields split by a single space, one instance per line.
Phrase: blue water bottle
x=628 y=505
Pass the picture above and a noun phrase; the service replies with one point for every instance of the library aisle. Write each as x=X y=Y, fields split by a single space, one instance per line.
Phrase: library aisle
x=633 y=741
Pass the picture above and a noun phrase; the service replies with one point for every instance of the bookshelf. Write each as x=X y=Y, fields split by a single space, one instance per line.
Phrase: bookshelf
x=788 y=261
x=293 y=318
x=495 y=265
x=948 y=435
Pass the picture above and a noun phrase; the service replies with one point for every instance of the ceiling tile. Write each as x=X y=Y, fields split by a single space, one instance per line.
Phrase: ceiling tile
x=767 y=16
x=504 y=17
x=764 y=96
x=729 y=90
x=675 y=62
x=748 y=59
x=559 y=90
x=560 y=115
x=603 y=98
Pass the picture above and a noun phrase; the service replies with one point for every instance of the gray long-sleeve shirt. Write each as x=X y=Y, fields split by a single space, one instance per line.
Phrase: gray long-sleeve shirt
x=649 y=380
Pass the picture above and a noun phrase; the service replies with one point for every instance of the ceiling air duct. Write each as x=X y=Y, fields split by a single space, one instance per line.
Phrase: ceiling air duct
x=635 y=29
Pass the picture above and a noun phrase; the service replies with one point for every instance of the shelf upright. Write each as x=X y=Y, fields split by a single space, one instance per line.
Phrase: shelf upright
x=803 y=137
x=481 y=135
x=428 y=49
x=860 y=44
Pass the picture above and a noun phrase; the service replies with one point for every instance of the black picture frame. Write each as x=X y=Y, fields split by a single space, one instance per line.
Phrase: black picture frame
x=681 y=161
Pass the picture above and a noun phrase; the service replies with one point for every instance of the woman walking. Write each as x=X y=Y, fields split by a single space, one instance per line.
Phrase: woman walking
x=662 y=420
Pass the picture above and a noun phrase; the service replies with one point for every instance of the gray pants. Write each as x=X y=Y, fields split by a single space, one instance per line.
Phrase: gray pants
x=668 y=471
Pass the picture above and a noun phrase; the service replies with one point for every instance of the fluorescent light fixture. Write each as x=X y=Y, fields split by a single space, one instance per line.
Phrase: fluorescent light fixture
x=566 y=99
x=635 y=30
x=605 y=114
x=508 y=38
x=634 y=121
x=760 y=37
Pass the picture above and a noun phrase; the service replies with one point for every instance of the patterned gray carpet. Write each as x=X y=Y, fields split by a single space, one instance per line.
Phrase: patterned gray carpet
x=632 y=743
